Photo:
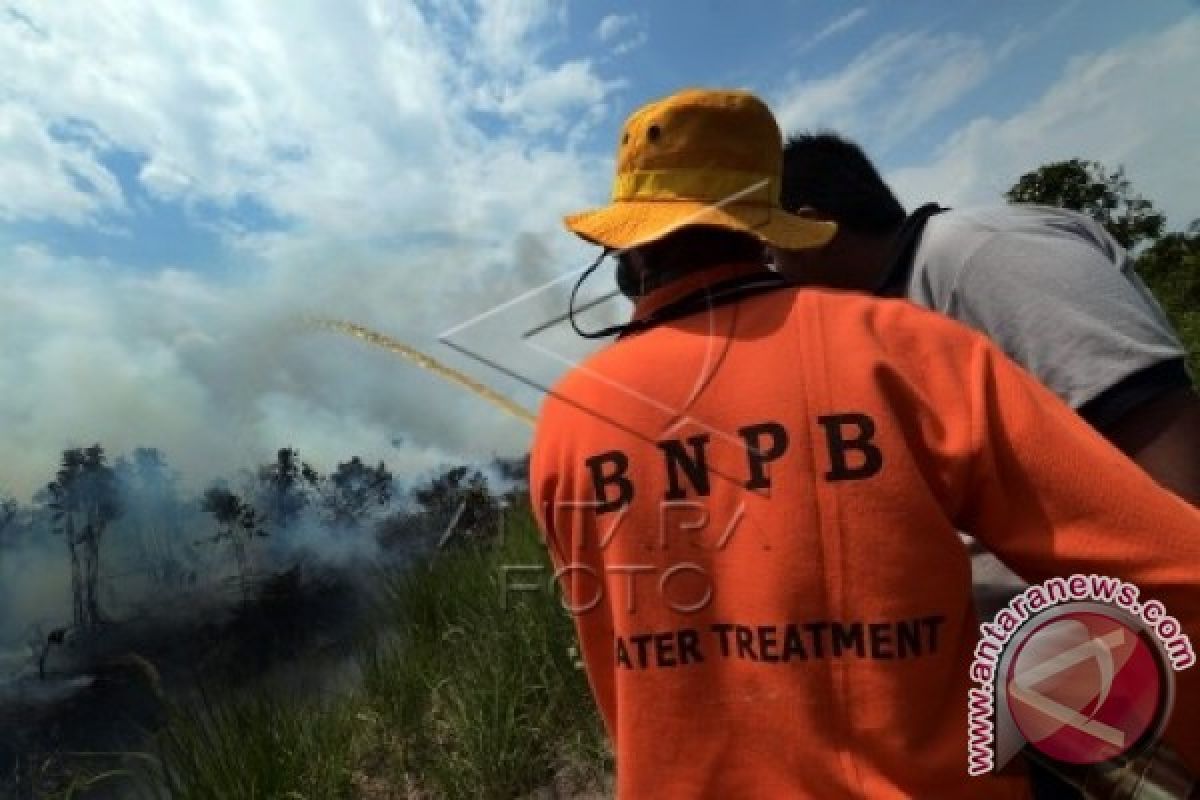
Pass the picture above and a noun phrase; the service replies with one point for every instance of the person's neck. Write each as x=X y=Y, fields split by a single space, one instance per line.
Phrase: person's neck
x=876 y=255
x=695 y=280
x=668 y=274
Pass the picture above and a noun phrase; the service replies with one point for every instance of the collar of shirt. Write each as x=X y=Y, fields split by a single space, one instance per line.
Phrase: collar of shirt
x=678 y=289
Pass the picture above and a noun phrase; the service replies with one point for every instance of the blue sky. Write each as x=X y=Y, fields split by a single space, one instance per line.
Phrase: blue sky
x=646 y=52
x=180 y=179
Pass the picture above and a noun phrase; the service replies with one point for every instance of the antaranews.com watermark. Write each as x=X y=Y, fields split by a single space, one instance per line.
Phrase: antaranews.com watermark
x=1076 y=667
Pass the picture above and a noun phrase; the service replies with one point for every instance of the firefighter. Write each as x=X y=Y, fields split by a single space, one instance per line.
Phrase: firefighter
x=752 y=496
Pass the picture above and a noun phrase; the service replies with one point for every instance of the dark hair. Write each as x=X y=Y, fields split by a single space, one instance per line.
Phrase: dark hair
x=689 y=249
x=833 y=175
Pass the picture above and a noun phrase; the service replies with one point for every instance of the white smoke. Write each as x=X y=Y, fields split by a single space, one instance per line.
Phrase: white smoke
x=414 y=187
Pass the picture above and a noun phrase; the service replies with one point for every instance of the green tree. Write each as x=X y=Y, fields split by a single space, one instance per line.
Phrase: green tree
x=354 y=490
x=1171 y=268
x=461 y=503
x=1086 y=186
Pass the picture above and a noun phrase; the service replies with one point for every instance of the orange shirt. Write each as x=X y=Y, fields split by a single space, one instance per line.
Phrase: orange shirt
x=754 y=513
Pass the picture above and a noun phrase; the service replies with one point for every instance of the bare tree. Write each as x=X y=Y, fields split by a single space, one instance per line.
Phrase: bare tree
x=284 y=486
x=84 y=500
x=238 y=523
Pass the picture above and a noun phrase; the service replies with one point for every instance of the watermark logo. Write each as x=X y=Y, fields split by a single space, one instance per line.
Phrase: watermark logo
x=1077 y=668
x=1085 y=687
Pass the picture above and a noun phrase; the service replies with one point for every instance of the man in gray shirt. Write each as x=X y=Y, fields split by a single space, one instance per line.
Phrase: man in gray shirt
x=1050 y=286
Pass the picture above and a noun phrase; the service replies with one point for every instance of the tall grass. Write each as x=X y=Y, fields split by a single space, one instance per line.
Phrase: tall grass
x=468 y=691
x=255 y=747
x=482 y=681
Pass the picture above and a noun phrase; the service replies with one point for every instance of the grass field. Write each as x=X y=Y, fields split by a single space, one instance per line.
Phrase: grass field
x=466 y=692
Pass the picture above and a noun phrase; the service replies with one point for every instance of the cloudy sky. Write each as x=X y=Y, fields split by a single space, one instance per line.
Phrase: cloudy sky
x=181 y=184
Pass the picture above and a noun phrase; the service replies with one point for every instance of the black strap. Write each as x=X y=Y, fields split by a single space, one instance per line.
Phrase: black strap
x=587 y=273
x=900 y=265
x=709 y=297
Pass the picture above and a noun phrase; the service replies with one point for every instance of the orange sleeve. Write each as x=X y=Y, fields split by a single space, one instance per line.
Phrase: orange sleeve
x=1051 y=497
x=543 y=490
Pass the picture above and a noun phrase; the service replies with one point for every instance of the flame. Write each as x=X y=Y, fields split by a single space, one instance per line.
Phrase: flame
x=425 y=362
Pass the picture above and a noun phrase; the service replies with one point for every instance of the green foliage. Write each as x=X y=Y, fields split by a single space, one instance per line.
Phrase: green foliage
x=1171 y=268
x=1088 y=187
x=469 y=691
x=460 y=500
x=482 y=682
x=353 y=491
x=256 y=747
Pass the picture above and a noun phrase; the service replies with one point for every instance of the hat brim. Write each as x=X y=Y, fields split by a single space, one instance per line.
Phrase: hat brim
x=633 y=223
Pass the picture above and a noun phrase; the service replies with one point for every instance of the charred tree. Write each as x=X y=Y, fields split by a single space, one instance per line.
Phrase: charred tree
x=83 y=500
x=238 y=523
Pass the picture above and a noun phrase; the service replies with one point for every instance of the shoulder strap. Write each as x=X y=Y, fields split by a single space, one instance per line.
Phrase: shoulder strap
x=899 y=269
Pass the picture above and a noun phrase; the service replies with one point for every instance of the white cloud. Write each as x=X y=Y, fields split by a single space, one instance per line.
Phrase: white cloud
x=631 y=43
x=622 y=33
x=1024 y=37
x=44 y=177
x=162 y=178
x=548 y=100
x=1129 y=105
x=842 y=23
x=612 y=25
x=506 y=29
x=900 y=82
x=341 y=119
x=890 y=89
x=360 y=126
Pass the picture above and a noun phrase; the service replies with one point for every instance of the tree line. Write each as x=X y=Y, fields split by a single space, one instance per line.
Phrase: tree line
x=161 y=532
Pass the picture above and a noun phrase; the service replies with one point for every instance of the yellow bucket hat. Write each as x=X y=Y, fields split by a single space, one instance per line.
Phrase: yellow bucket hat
x=699 y=157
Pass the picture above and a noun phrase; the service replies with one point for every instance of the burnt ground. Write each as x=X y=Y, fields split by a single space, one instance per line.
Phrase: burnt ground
x=105 y=690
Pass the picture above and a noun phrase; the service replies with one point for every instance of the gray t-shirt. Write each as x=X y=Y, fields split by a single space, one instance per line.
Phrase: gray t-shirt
x=1052 y=288
x=1057 y=293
